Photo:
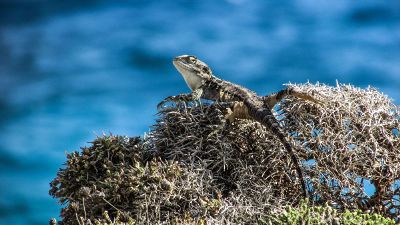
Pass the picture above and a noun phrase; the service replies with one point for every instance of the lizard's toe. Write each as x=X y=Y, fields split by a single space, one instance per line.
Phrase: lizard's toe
x=175 y=99
x=160 y=105
x=163 y=102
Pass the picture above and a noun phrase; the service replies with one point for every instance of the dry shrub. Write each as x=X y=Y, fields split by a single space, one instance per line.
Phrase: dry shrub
x=352 y=141
x=111 y=182
x=249 y=165
x=195 y=167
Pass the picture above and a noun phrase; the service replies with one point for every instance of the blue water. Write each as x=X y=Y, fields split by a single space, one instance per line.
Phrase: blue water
x=70 y=71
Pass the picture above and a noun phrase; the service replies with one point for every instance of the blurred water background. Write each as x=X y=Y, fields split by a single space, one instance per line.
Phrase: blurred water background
x=71 y=70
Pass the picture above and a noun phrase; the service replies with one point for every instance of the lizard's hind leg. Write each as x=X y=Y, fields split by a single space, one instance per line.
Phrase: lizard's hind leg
x=272 y=99
x=237 y=110
x=231 y=111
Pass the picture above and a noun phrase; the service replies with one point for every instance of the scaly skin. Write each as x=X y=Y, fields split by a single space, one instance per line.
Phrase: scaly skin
x=204 y=84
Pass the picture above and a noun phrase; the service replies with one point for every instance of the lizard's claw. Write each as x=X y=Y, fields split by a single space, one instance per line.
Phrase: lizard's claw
x=320 y=100
x=178 y=98
x=191 y=97
x=313 y=100
x=163 y=102
x=310 y=97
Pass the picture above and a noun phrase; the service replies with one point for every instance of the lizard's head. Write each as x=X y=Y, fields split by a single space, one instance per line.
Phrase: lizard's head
x=192 y=69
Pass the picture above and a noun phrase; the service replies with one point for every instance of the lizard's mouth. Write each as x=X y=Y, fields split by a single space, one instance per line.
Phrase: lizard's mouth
x=181 y=65
x=183 y=69
x=180 y=58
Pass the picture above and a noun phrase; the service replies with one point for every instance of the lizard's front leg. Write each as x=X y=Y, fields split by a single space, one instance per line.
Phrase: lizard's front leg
x=191 y=97
x=272 y=99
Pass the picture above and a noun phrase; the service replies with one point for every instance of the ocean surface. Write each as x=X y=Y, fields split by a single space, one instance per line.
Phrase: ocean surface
x=70 y=70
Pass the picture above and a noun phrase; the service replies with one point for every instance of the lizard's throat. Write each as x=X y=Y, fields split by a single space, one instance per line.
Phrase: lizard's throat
x=192 y=80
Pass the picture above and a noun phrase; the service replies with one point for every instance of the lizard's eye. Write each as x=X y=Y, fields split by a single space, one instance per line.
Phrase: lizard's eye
x=206 y=70
x=192 y=58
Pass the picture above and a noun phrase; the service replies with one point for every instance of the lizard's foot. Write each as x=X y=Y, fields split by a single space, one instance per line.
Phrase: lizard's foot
x=273 y=99
x=176 y=99
x=237 y=110
x=308 y=97
x=182 y=98
x=191 y=97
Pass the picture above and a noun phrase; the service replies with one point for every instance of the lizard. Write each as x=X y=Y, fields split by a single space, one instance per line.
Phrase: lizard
x=204 y=84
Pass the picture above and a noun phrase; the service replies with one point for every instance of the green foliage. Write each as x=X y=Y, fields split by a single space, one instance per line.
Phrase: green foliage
x=318 y=215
